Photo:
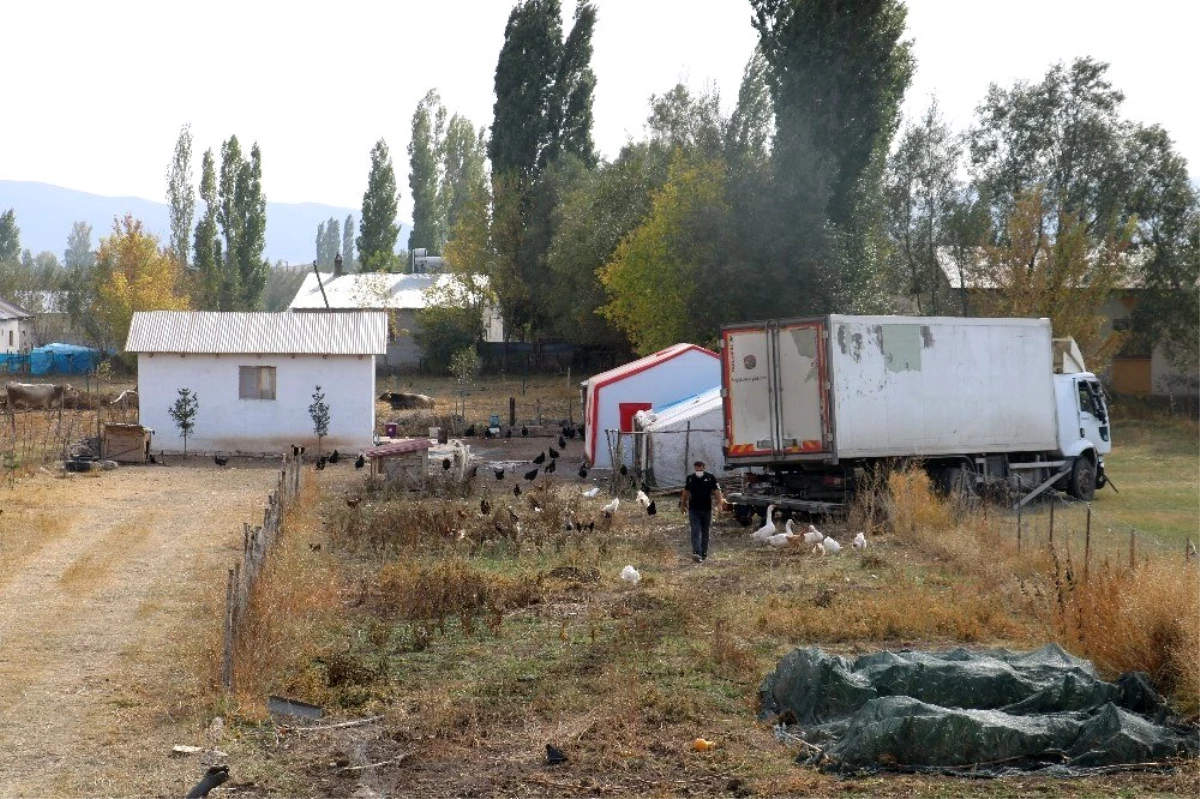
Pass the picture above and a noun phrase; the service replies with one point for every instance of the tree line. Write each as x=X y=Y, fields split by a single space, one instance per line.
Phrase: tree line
x=810 y=195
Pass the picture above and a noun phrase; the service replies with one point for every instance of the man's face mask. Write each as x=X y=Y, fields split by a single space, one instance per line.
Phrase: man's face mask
x=699 y=471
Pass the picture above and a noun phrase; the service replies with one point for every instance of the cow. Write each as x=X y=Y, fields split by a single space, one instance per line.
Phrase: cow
x=401 y=401
x=127 y=398
x=34 y=396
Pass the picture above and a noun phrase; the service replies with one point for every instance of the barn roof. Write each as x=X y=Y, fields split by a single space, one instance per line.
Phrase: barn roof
x=10 y=310
x=379 y=290
x=214 y=332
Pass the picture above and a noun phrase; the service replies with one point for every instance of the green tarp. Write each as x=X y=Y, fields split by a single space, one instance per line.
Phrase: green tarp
x=986 y=712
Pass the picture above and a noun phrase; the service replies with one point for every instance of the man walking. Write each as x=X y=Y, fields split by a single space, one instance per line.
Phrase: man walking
x=699 y=489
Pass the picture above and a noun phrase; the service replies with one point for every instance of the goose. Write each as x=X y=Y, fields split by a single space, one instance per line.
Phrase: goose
x=860 y=541
x=768 y=529
x=813 y=536
x=630 y=575
x=592 y=492
x=780 y=540
x=831 y=546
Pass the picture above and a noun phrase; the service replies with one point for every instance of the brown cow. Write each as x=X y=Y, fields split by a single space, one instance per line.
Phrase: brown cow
x=36 y=395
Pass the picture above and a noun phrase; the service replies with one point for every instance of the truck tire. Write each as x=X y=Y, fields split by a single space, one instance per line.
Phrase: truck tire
x=1083 y=479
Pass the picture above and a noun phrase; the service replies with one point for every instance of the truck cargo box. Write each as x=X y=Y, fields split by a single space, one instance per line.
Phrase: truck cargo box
x=846 y=387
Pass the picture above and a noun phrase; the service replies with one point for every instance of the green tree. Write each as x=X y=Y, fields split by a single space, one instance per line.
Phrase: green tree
x=183 y=411
x=837 y=73
x=10 y=236
x=318 y=411
x=207 y=267
x=348 y=243
x=242 y=216
x=378 y=229
x=664 y=275
x=922 y=192
x=425 y=174
x=181 y=196
x=281 y=288
x=79 y=254
x=464 y=151
x=328 y=240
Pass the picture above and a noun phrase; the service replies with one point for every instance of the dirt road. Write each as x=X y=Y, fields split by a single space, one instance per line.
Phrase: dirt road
x=111 y=592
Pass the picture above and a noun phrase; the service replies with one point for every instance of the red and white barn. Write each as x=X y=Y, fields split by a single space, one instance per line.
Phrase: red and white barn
x=612 y=398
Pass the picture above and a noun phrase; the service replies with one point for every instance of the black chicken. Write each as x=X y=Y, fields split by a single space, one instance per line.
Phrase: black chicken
x=470 y=432
x=487 y=432
x=360 y=461
x=321 y=461
x=499 y=473
x=554 y=755
x=623 y=470
x=524 y=431
x=531 y=474
x=446 y=463
x=583 y=472
x=651 y=509
x=553 y=465
x=295 y=451
x=508 y=433
x=562 y=442
x=540 y=459
x=517 y=490
x=335 y=457
x=485 y=507
x=554 y=453
x=217 y=459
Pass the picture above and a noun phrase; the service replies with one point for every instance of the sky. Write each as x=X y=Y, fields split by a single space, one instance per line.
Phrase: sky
x=96 y=93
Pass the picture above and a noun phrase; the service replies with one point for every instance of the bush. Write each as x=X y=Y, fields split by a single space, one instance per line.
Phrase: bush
x=444 y=330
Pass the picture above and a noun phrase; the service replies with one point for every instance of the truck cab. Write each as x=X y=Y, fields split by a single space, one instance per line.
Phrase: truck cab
x=1084 y=431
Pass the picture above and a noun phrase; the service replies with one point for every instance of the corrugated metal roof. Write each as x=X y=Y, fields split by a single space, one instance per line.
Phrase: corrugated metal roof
x=647 y=362
x=211 y=332
x=380 y=290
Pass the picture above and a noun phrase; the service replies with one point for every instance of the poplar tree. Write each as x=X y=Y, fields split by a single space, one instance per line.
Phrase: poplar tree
x=378 y=229
x=425 y=175
x=181 y=196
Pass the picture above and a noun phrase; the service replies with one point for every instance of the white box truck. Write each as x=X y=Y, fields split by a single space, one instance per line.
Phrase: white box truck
x=819 y=402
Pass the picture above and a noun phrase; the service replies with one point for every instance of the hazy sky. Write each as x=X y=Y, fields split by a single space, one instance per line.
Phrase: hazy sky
x=95 y=93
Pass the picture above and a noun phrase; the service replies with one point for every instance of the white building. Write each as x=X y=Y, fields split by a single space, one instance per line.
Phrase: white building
x=401 y=296
x=612 y=398
x=254 y=375
x=16 y=329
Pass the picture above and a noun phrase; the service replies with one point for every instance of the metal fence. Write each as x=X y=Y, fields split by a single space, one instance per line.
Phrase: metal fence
x=256 y=545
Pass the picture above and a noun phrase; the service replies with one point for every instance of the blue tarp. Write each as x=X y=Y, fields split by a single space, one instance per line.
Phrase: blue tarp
x=63 y=359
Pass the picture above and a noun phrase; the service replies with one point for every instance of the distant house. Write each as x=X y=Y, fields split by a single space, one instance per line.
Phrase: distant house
x=254 y=375
x=400 y=295
x=51 y=321
x=16 y=329
x=1140 y=368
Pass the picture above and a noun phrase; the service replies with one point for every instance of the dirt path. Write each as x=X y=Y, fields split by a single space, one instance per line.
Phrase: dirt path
x=110 y=590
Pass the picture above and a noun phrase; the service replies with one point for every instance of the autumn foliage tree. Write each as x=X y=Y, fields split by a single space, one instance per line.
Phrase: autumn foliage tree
x=1066 y=278
x=133 y=272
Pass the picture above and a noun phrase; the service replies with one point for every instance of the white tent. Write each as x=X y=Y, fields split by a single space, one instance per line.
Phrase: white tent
x=680 y=434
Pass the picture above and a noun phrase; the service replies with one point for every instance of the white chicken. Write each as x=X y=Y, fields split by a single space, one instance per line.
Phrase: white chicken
x=630 y=575
x=642 y=499
x=831 y=546
x=768 y=529
x=611 y=508
x=813 y=536
x=592 y=493
x=860 y=542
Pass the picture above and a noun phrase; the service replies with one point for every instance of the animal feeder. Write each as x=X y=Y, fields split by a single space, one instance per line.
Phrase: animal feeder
x=127 y=443
x=405 y=460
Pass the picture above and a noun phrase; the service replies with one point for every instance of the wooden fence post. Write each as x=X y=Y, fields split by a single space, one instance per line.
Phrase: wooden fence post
x=1087 y=544
x=1132 y=538
x=512 y=411
x=1018 y=530
x=227 y=654
x=1052 y=524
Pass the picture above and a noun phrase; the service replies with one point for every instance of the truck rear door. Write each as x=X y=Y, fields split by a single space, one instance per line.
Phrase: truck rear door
x=775 y=396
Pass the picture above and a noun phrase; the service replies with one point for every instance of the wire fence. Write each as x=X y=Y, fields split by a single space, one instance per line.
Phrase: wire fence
x=256 y=546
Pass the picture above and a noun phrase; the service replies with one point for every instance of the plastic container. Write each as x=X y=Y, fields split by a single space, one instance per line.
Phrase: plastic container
x=390 y=429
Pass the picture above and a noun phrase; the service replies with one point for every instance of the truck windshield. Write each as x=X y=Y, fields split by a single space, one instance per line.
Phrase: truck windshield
x=1085 y=398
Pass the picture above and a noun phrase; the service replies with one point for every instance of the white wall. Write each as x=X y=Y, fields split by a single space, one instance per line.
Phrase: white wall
x=21 y=332
x=227 y=424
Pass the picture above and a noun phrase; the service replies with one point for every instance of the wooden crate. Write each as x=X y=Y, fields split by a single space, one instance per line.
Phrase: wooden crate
x=126 y=443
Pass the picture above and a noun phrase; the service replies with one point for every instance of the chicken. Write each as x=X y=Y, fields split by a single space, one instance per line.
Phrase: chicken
x=352 y=502
x=360 y=461
x=485 y=507
x=612 y=507
x=540 y=459
x=819 y=549
x=524 y=431
x=499 y=473
x=554 y=755
x=335 y=457
x=554 y=453
x=321 y=461
x=813 y=536
x=651 y=509
x=517 y=490
x=831 y=546
x=583 y=472
x=562 y=443
x=531 y=474
x=860 y=541
x=470 y=431
x=217 y=459
x=592 y=492
x=446 y=463
x=552 y=467
x=630 y=575
x=768 y=529
x=642 y=499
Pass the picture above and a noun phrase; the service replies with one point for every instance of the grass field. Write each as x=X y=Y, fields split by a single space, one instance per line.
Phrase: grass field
x=480 y=638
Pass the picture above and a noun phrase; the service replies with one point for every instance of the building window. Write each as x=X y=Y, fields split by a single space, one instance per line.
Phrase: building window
x=256 y=382
x=1122 y=324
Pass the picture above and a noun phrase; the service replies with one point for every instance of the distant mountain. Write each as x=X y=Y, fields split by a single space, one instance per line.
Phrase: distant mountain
x=45 y=214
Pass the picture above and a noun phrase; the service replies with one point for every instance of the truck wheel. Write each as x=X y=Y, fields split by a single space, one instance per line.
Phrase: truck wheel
x=1083 y=479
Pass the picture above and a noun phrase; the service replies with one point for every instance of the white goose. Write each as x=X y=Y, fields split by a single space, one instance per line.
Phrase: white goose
x=768 y=529
x=813 y=536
